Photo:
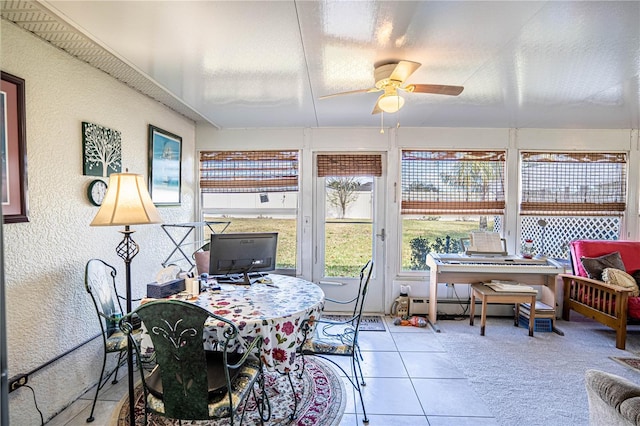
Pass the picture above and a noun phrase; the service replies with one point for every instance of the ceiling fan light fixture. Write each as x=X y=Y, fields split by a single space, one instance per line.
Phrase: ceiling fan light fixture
x=390 y=103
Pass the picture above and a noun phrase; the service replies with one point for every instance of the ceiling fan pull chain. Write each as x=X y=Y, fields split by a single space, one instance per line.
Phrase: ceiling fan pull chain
x=382 y=123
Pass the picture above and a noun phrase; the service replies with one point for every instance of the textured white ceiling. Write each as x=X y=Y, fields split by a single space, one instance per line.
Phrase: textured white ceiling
x=242 y=64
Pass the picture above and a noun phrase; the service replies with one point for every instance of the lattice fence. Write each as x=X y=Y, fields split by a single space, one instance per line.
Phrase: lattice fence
x=553 y=239
x=497 y=224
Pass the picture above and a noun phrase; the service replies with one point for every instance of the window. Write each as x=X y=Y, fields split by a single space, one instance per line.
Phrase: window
x=445 y=195
x=255 y=191
x=566 y=196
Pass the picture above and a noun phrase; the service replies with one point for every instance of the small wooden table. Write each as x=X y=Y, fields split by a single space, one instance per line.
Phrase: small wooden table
x=488 y=295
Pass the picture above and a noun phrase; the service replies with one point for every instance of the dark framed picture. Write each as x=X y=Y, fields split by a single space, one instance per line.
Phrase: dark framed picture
x=14 y=149
x=101 y=150
x=165 y=155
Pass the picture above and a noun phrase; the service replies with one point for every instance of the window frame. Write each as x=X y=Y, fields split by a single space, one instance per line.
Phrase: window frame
x=294 y=212
x=495 y=208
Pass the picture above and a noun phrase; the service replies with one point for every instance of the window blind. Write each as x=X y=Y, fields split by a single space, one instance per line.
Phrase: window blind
x=349 y=165
x=562 y=184
x=453 y=182
x=248 y=171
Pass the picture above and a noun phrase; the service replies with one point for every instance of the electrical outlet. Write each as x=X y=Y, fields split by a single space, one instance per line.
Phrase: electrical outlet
x=17 y=382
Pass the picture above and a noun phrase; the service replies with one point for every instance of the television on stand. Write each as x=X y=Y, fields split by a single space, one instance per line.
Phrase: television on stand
x=240 y=257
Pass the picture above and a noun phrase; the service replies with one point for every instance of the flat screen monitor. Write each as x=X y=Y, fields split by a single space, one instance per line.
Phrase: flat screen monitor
x=242 y=253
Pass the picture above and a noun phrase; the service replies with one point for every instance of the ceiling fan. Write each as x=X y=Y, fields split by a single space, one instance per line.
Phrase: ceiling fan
x=390 y=78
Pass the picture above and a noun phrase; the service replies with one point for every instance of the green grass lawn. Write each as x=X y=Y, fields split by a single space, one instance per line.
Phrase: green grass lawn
x=349 y=243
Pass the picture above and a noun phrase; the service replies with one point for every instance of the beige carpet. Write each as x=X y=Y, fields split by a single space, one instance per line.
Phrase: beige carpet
x=535 y=380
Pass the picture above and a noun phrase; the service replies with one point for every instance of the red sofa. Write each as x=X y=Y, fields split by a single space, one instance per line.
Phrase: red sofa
x=593 y=298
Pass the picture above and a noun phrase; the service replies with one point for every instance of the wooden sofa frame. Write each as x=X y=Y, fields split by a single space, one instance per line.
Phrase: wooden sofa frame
x=605 y=303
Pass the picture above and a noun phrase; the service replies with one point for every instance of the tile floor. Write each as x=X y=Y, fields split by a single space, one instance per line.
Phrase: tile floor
x=409 y=379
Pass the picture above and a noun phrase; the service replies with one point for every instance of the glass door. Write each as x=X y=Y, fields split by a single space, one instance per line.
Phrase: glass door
x=349 y=231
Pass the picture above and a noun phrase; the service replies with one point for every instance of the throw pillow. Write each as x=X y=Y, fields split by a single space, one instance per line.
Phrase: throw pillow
x=621 y=278
x=636 y=276
x=595 y=265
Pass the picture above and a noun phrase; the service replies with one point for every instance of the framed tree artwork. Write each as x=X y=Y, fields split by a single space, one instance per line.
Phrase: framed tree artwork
x=165 y=155
x=14 y=149
x=102 y=150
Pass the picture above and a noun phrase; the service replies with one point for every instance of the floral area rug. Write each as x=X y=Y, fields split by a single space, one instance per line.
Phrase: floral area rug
x=321 y=400
x=633 y=363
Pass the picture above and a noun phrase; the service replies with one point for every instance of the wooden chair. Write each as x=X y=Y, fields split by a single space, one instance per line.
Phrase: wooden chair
x=340 y=338
x=189 y=382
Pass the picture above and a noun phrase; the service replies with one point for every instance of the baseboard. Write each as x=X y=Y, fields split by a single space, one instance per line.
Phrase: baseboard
x=455 y=308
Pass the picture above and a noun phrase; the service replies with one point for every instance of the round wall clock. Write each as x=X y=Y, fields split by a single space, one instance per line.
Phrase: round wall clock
x=96 y=192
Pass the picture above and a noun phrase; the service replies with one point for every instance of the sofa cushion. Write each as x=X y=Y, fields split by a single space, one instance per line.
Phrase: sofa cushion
x=630 y=410
x=633 y=308
x=622 y=279
x=629 y=251
x=610 y=388
x=613 y=400
x=595 y=265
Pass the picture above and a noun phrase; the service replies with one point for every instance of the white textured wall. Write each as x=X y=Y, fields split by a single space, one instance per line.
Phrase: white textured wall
x=48 y=310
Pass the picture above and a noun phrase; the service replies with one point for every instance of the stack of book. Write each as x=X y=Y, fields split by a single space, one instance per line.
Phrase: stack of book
x=542 y=310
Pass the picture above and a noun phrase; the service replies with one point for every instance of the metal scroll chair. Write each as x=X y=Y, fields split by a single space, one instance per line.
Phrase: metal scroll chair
x=100 y=283
x=189 y=382
x=340 y=338
x=355 y=299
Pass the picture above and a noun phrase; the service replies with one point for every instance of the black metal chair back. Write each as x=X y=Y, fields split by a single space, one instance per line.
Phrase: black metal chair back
x=176 y=330
x=365 y=278
x=100 y=283
x=340 y=338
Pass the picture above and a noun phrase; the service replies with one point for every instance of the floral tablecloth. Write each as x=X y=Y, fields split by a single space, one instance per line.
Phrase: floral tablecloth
x=274 y=311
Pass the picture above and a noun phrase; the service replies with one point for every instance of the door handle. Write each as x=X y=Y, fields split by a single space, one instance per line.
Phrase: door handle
x=382 y=235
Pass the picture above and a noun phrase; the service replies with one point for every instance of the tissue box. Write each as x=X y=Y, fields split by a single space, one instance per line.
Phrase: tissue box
x=159 y=291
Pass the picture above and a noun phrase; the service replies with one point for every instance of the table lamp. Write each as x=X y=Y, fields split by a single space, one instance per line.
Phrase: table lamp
x=126 y=203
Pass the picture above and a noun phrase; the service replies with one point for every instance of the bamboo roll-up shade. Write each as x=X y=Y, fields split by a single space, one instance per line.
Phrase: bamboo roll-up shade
x=575 y=184
x=349 y=165
x=248 y=171
x=453 y=182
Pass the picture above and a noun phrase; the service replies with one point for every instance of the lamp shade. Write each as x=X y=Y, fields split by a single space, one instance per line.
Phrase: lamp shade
x=127 y=202
x=390 y=103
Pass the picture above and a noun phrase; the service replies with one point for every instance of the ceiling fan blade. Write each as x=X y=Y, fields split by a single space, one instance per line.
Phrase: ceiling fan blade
x=350 y=92
x=376 y=109
x=403 y=70
x=436 y=89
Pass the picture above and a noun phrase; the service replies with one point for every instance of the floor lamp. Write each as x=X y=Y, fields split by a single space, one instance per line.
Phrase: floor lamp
x=126 y=203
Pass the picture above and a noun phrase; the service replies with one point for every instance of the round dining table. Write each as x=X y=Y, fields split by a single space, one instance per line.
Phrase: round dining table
x=274 y=310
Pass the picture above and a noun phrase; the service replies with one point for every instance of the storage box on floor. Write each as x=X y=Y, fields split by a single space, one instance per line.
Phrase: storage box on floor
x=543 y=321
